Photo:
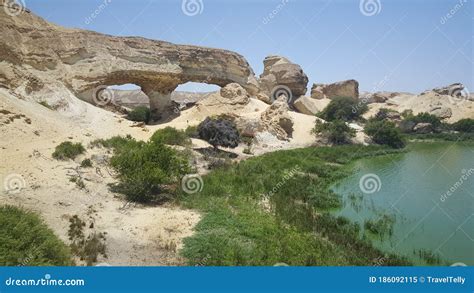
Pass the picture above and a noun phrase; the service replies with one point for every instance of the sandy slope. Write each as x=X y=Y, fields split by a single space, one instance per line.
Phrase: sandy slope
x=461 y=108
x=136 y=235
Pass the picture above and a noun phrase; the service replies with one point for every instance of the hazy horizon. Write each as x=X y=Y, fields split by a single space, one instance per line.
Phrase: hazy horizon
x=408 y=46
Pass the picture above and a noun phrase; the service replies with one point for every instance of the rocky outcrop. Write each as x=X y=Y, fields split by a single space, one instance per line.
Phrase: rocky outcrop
x=277 y=121
x=231 y=95
x=442 y=112
x=280 y=74
x=235 y=93
x=347 y=88
x=378 y=97
x=454 y=90
x=264 y=98
x=423 y=128
x=249 y=127
x=36 y=54
x=306 y=106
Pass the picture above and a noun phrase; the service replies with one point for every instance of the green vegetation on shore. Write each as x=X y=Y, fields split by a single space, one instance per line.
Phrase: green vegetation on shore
x=68 y=150
x=26 y=241
x=275 y=208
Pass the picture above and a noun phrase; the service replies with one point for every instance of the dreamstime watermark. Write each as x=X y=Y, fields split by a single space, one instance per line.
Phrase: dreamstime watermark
x=370 y=7
x=281 y=90
x=370 y=183
x=380 y=261
x=464 y=177
x=103 y=96
x=14 y=7
x=192 y=183
x=45 y=281
x=88 y=20
x=458 y=264
x=275 y=11
x=444 y=19
x=14 y=183
x=458 y=94
x=192 y=7
x=287 y=176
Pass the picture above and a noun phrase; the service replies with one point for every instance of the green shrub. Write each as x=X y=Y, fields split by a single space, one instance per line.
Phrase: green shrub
x=385 y=133
x=343 y=108
x=192 y=131
x=171 y=136
x=464 y=125
x=336 y=132
x=147 y=169
x=86 y=163
x=140 y=114
x=68 y=150
x=427 y=118
x=424 y=117
x=115 y=142
x=25 y=240
x=384 y=113
x=219 y=132
x=45 y=104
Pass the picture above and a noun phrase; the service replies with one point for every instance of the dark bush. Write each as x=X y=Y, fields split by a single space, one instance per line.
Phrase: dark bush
x=26 y=241
x=464 y=125
x=68 y=150
x=86 y=163
x=385 y=113
x=385 y=133
x=140 y=114
x=219 y=132
x=171 y=136
x=336 y=132
x=147 y=169
x=422 y=118
x=343 y=108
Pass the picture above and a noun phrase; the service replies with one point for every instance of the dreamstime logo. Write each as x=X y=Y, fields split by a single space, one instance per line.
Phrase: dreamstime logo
x=102 y=95
x=370 y=7
x=464 y=177
x=281 y=90
x=458 y=94
x=288 y=174
x=370 y=183
x=14 y=183
x=88 y=20
x=192 y=183
x=192 y=7
x=444 y=19
x=275 y=11
x=14 y=7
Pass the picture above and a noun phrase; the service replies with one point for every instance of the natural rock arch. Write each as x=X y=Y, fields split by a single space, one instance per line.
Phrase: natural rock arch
x=84 y=61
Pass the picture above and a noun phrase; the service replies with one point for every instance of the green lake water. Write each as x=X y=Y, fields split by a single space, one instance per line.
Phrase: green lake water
x=427 y=192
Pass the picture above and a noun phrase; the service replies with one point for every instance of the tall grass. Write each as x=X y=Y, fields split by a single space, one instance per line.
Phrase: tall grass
x=275 y=208
x=26 y=241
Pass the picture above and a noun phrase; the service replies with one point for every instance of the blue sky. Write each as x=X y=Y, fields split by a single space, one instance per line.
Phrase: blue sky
x=405 y=46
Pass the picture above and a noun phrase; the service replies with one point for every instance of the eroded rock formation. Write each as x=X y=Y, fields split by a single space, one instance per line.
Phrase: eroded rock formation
x=346 y=88
x=36 y=53
x=281 y=72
